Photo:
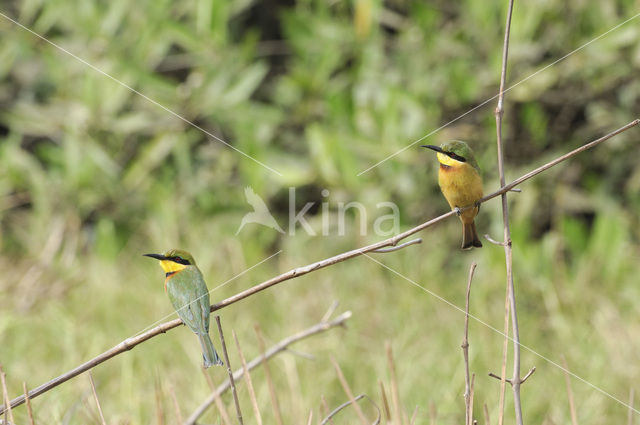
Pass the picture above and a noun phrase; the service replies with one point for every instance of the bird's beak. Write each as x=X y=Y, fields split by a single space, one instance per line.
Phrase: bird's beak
x=433 y=147
x=156 y=256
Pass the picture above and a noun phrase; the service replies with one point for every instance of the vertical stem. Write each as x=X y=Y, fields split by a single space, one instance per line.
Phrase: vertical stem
x=515 y=379
x=229 y=371
x=465 y=352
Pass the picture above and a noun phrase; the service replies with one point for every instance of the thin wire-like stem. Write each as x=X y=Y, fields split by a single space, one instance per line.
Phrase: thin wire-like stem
x=465 y=350
x=95 y=397
x=271 y=352
x=28 y=403
x=267 y=373
x=217 y=400
x=130 y=343
x=505 y=347
x=347 y=391
x=515 y=380
x=230 y=373
x=247 y=378
x=325 y=409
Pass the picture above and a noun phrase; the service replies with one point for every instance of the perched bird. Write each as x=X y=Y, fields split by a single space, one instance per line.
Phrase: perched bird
x=190 y=297
x=461 y=184
x=260 y=213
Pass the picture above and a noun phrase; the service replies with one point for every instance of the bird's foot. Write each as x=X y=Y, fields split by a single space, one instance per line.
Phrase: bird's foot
x=458 y=211
x=477 y=205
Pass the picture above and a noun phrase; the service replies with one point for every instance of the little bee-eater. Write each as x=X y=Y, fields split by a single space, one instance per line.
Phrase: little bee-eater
x=190 y=297
x=461 y=184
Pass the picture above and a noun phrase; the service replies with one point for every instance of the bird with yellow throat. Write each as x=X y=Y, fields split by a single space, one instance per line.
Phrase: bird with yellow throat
x=461 y=184
x=190 y=297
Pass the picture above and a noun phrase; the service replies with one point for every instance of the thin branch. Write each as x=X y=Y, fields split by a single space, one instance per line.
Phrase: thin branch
x=95 y=397
x=493 y=241
x=465 y=350
x=515 y=380
x=348 y=392
x=228 y=364
x=572 y=405
x=396 y=248
x=531 y=371
x=247 y=378
x=354 y=402
x=28 y=403
x=130 y=343
x=310 y=418
x=473 y=380
x=267 y=373
x=274 y=350
x=5 y=397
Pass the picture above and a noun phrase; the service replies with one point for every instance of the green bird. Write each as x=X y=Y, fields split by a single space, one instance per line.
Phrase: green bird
x=190 y=297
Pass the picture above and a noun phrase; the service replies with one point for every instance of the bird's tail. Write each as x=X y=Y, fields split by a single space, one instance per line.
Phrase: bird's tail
x=208 y=351
x=470 y=236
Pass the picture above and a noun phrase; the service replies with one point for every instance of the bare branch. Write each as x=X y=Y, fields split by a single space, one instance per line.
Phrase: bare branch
x=274 y=350
x=465 y=350
x=228 y=365
x=531 y=371
x=396 y=248
x=95 y=397
x=354 y=402
x=630 y=413
x=348 y=392
x=493 y=241
x=130 y=343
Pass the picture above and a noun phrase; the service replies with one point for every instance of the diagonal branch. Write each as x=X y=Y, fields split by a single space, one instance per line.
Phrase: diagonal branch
x=129 y=343
x=277 y=348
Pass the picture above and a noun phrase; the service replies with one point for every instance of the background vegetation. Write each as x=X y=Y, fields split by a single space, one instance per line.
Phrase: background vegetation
x=92 y=176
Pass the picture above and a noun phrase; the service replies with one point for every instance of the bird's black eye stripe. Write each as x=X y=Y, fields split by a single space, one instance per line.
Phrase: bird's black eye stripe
x=456 y=157
x=180 y=260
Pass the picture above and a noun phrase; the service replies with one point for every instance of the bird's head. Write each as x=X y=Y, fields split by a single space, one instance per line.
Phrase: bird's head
x=454 y=153
x=174 y=260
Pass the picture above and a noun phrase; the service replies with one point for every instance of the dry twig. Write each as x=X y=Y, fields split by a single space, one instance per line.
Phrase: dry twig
x=465 y=350
x=385 y=403
x=515 y=380
x=130 y=343
x=228 y=365
x=277 y=348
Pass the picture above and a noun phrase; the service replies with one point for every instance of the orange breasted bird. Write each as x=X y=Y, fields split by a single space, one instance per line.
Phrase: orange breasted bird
x=190 y=297
x=461 y=184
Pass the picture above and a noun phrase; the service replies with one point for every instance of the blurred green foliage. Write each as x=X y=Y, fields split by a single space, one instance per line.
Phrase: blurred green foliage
x=92 y=175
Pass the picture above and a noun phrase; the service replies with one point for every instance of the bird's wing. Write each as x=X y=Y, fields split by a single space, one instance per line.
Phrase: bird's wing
x=188 y=294
x=254 y=200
